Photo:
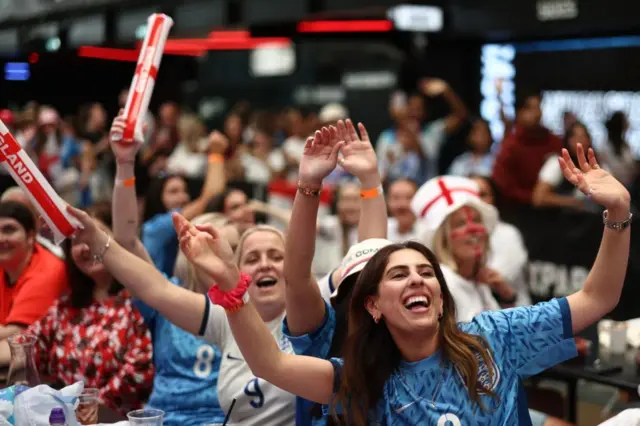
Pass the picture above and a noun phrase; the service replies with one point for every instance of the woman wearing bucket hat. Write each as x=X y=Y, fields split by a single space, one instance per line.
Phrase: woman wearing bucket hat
x=314 y=327
x=456 y=226
x=406 y=360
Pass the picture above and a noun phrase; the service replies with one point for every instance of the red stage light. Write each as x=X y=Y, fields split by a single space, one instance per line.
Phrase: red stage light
x=131 y=55
x=34 y=58
x=374 y=26
x=127 y=55
x=225 y=44
x=230 y=34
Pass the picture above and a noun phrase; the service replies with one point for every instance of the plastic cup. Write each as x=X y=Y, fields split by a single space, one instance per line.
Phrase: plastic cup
x=88 y=404
x=146 y=417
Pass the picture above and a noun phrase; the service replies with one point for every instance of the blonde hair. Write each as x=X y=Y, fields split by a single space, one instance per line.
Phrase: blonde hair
x=183 y=269
x=441 y=244
x=251 y=231
x=191 y=131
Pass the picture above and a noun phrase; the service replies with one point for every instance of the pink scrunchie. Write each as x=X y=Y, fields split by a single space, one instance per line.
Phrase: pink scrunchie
x=231 y=301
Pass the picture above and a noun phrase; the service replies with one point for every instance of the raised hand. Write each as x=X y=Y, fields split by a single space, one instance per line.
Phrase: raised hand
x=595 y=182
x=89 y=233
x=358 y=156
x=433 y=87
x=218 y=143
x=124 y=150
x=209 y=252
x=320 y=156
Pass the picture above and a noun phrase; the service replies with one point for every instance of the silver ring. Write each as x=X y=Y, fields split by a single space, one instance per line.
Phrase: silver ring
x=590 y=192
x=341 y=161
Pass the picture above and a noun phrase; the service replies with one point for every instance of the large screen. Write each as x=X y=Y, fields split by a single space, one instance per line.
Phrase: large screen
x=590 y=77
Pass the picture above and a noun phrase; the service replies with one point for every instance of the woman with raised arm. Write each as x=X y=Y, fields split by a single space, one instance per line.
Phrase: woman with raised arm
x=186 y=374
x=170 y=194
x=311 y=323
x=260 y=255
x=406 y=361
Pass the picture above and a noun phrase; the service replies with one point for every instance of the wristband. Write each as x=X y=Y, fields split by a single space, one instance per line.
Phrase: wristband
x=367 y=194
x=233 y=300
x=309 y=192
x=216 y=158
x=127 y=182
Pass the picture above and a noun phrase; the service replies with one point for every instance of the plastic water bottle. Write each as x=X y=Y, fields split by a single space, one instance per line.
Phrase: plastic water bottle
x=57 y=418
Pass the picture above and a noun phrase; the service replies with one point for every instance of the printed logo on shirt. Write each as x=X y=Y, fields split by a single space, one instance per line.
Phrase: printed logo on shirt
x=484 y=378
x=449 y=420
x=285 y=345
x=231 y=357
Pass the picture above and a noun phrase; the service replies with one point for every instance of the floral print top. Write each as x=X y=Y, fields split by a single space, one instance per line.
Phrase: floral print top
x=106 y=345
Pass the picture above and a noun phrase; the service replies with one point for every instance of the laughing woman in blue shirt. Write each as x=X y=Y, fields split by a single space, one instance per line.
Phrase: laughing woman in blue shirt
x=186 y=375
x=406 y=361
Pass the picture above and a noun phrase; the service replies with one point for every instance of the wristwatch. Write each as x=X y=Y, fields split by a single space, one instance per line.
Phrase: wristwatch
x=616 y=226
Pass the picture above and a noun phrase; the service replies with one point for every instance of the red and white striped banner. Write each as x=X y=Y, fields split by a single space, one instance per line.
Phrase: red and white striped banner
x=40 y=192
x=144 y=78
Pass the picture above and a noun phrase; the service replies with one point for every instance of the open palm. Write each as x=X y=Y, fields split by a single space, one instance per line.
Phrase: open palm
x=320 y=155
x=358 y=156
x=209 y=252
x=592 y=180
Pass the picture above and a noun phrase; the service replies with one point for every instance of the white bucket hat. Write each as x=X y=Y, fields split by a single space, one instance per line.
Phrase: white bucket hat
x=357 y=258
x=443 y=195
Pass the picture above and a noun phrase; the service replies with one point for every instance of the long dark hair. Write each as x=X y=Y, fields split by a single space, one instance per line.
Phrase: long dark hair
x=371 y=355
x=153 y=204
x=81 y=285
x=615 y=131
x=569 y=134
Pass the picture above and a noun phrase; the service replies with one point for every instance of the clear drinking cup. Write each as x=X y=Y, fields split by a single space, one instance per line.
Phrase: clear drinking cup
x=146 y=417
x=87 y=411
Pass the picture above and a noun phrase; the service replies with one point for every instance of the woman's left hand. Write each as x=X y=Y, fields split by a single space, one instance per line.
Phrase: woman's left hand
x=595 y=182
x=358 y=156
x=209 y=253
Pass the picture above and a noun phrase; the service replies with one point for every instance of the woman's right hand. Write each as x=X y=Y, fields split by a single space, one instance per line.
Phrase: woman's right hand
x=209 y=252
x=124 y=150
x=320 y=156
x=89 y=233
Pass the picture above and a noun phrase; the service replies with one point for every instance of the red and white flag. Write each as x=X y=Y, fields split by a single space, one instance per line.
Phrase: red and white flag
x=42 y=195
x=144 y=78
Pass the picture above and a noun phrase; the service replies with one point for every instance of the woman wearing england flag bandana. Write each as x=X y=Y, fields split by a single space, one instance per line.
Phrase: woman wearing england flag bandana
x=456 y=226
x=406 y=361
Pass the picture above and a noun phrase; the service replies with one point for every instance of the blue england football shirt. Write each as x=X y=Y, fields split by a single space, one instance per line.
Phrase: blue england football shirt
x=186 y=378
x=317 y=345
x=524 y=341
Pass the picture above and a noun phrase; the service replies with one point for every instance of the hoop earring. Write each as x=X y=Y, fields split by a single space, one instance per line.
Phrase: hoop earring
x=376 y=318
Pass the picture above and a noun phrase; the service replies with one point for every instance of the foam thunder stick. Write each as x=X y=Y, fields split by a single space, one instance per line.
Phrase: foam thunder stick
x=144 y=78
x=35 y=185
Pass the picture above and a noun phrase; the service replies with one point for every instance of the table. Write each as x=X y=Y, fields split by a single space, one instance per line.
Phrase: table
x=570 y=372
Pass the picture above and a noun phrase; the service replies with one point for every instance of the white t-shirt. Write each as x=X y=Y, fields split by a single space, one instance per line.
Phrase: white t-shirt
x=394 y=235
x=294 y=147
x=329 y=245
x=508 y=256
x=186 y=163
x=551 y=174
x=471 y=299
x=258 y=402
x=257 y=171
